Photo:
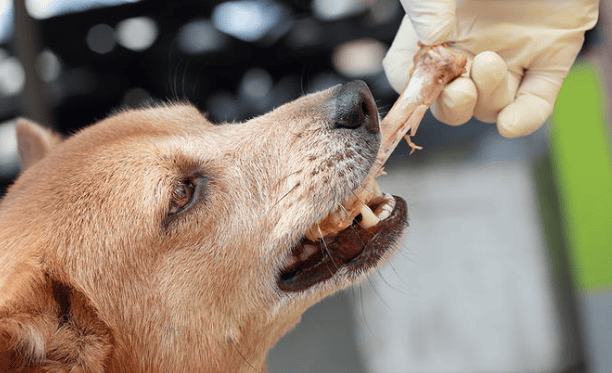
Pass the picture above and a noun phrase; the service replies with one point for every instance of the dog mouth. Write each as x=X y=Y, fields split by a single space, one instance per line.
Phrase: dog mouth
x=360 y=233
x=353 y=238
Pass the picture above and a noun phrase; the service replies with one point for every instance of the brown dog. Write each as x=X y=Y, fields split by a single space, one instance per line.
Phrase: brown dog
x=155 y=241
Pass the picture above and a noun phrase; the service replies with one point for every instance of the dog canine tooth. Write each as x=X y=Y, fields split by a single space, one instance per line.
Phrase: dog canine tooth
x=368 y=219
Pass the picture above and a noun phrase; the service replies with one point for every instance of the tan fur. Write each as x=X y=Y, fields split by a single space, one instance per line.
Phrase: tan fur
x=96 y=276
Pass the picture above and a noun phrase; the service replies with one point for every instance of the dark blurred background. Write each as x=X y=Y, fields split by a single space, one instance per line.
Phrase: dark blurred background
x=69 y=63
x=233 y=59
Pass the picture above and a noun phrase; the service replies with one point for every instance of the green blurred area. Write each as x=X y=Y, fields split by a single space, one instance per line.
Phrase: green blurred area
x=582 y=162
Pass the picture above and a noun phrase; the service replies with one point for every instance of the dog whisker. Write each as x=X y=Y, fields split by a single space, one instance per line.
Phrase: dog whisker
x=286 y=194
x=384 y=280
x=362 y=309
x=245 y=359
x=327 y=250
x=282 y=179
x=382 y=299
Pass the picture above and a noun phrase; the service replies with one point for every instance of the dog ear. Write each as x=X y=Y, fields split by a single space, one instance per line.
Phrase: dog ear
x=52 y=328
x=34 y=141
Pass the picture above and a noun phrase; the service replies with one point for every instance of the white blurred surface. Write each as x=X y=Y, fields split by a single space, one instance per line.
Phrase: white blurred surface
x=41 y=9
x=247 y=20
x=137 y=33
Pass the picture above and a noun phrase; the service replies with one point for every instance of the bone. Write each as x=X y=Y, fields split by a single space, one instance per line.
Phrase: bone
x=434 y=67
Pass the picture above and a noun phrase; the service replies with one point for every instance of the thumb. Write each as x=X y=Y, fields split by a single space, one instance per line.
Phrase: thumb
x=427 y=21
x=399 y=59
x=433 y=21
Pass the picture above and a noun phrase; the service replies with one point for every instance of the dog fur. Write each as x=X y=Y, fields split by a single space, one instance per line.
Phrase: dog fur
x=152 y=240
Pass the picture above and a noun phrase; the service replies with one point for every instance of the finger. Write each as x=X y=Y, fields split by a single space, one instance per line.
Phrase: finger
x=533 y=105
x=398 y=60
x=524 y=116
x=455 y=106
x=433 y=21
x=490 y=75
x=536 y=95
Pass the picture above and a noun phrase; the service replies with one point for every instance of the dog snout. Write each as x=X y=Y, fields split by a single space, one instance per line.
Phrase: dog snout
x=353 y=107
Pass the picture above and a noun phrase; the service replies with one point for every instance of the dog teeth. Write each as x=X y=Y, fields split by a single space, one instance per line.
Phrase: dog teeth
x=307 y=252
x=291 y=261
x=368 y=218
x=344 y=215
x=384 y=211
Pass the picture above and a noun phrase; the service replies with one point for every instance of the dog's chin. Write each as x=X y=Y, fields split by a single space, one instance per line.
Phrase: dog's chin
x=346 y=255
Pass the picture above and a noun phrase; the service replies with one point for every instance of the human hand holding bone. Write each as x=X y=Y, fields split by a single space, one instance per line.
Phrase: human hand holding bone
x=434 y=67
x=520 y=52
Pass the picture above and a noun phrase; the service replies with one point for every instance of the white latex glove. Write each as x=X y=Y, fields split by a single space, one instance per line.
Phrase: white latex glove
x=519 y=50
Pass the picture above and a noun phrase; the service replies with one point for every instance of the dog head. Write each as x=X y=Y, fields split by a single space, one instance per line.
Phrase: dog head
x=155 y=240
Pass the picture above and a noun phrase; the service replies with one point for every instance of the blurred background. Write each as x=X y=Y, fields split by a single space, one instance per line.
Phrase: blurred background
x=507 y=266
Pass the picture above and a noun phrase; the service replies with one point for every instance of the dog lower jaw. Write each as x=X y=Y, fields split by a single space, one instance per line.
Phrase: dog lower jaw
x=350 y=251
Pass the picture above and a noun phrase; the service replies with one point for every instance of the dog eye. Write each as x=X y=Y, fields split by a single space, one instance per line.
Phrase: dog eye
x=184 y=194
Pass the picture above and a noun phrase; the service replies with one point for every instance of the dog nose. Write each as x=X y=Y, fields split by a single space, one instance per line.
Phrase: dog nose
x=353 y=107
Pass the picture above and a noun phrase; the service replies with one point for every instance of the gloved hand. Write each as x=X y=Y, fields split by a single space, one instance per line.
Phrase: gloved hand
x=519 y=50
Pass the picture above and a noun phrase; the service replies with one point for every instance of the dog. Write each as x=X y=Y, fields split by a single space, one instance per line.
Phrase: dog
x=157 y=241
